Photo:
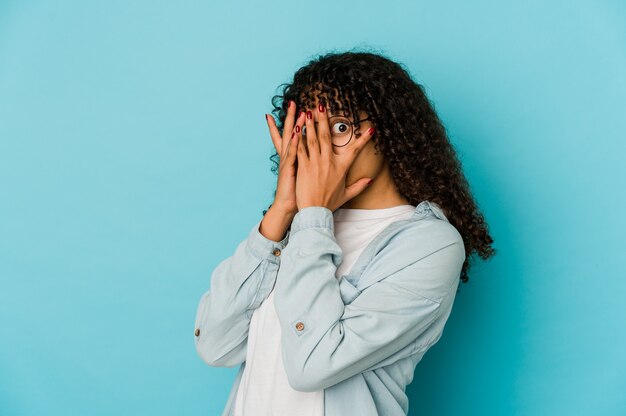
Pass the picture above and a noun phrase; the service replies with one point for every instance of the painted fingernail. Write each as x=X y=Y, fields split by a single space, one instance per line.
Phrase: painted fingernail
x=288 y=103
x=297 y=129
x=293 y=134
x=321 y=108
x=309 y=115
x=371 y=130
x=266 y=118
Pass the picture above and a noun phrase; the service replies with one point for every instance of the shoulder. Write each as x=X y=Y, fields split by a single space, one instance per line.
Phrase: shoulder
x=425 y=236
x=418 y=238
x=433 y=223
x=424 y=255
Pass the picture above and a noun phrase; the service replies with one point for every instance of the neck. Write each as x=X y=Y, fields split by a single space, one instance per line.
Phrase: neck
x=381 y=193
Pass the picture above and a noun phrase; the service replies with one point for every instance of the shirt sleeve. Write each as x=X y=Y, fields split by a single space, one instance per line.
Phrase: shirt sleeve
x=325 y=341
x=239 y=284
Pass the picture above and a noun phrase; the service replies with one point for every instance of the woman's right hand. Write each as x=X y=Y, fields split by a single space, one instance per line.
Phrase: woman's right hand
x=285 y=199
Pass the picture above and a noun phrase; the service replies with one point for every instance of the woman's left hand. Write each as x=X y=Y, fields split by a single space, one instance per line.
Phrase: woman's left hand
x=321 y=176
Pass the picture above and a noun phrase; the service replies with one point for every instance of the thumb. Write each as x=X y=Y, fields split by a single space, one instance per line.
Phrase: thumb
x=357 y=187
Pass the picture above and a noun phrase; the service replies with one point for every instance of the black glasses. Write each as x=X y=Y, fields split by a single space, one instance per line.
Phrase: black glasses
x=341 y=129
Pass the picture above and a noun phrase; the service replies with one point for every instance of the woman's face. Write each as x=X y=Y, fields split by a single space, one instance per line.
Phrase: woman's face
x=368 y=162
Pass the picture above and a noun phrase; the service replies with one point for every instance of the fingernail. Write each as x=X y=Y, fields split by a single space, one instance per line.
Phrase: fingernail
x=321 y=108
x=266 y=117
x=288 y=103
x=371 y=130
x=297 y=129
x=370 y=181
x=309 y=114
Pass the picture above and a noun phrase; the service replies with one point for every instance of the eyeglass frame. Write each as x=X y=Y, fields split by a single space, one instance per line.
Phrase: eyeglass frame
x=354 y=124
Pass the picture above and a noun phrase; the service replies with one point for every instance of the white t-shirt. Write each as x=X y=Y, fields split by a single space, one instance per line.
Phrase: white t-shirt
x=264 y=389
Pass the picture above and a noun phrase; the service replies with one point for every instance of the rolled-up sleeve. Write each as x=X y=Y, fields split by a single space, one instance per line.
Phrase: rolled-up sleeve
x=238 y=285
x=325 y=341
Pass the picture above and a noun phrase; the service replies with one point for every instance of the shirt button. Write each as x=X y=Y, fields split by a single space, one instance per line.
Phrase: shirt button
x=299 y=326
x=197 y=331
x=276 y=252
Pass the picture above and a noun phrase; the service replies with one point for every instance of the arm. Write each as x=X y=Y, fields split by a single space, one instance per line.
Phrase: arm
x=239 y=284
x=325 y=341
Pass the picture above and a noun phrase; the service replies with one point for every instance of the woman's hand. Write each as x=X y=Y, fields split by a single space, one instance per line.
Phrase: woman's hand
x=286 y=146
x=321 y=174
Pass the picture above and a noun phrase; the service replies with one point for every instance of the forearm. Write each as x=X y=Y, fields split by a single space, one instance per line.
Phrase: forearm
x=239 y=284
x=275 y=223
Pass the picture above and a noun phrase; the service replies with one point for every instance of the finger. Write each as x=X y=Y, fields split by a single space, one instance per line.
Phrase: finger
x=302 y=153
x=296 y=136
x=290 y=152
x=323 y=131
x=289 y=122
x=311 y=135
x=300 y=122
x=274 y=133
x=355 y=146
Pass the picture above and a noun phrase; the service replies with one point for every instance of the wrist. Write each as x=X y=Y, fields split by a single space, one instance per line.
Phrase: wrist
x=275 y=224
x=279 y=210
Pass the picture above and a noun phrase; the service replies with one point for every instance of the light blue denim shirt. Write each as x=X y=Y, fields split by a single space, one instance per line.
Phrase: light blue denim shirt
x=358 y=337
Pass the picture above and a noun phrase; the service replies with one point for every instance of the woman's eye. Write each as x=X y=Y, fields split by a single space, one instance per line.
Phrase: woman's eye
x=339 y=128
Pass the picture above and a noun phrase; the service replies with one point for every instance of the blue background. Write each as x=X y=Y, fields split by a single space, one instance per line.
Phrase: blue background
x=134 y=156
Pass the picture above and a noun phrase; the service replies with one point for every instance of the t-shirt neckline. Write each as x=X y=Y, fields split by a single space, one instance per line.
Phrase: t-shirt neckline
x=358 y=214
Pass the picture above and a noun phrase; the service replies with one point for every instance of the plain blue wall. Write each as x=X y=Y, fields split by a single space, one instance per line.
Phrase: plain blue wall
x=134 y=156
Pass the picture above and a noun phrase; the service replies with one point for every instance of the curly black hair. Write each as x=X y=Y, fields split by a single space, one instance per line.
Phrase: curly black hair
x=410 y=135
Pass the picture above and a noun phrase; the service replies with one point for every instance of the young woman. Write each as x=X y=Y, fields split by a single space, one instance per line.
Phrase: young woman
x=350 y=276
